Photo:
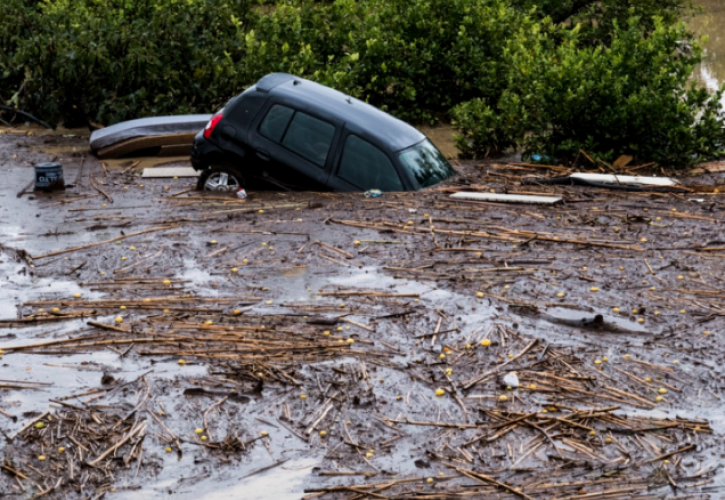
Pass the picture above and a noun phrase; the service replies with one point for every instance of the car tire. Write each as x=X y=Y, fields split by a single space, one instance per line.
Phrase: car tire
x=220 y=178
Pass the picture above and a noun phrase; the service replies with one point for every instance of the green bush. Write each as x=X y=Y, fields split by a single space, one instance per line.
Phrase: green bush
x=608 y=76
x=631 y=97
x=109 y=60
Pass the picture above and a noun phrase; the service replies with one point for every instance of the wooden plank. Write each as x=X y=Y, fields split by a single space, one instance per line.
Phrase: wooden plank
x=507 y=198
x=164 y=172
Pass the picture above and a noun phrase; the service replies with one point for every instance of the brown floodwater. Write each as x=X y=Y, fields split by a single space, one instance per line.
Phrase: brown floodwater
x=708 y=23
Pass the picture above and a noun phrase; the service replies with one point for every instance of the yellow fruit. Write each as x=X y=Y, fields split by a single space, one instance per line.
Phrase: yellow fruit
x=208 y=322
x=480 y=295
x=608 y=440
x=605 y=359
x=662 y=390
x=261 y=211
x=442 y=356
x=532 y=387
x=706 y=332
x=323 y=433
x=350 y=341
x=182 y=362
x=123 y=308
x=682 y=311
x=199 y=431
x=561 y=294
x=119 y=319
x=342 y=305
x=77 y=295
x=326 y=333
x=132 y=248
x=61 y=449
x=234 y=270
x=263 y=433
x=506 y=287
x=594 y=289
x=41 y=457
x=39 y=425
x=356 y=243
x=449 y=371
x=123 y=258
x=440 y=392
x=659 y=399
x=640 y=320
x=486 y=342
x=597 y=361
x=627 y=356
x=203 y=438
x=648 y=379
x=303 y=396
x=503 y=398
x=236 y=312
x=167 y=282
x=429 y=480
x=213 y=242
x=615 y=310
x=269 y=302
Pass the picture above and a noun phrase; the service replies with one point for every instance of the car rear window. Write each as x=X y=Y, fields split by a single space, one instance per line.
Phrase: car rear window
x=366 y=167
x=275 y=123
x=310 y=138
x=426 y=163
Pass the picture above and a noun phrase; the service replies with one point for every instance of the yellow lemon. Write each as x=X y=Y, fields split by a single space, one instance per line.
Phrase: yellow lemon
x=182 y=362
x=486 y=342
x=480 y=295
x=594 y=289
x=662 y=390
x=199 y=431
x=119 y=319
x=234 y=270
x=440 y=392
x=323 y=433
x=503 y=398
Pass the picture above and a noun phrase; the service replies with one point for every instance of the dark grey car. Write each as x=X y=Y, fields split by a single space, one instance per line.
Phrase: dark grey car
x=296 y=133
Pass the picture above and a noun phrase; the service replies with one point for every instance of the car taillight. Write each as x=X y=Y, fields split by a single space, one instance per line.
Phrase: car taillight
x=210 y=126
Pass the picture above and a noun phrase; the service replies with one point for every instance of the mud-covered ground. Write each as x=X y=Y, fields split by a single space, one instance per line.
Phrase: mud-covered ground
x=161 y=342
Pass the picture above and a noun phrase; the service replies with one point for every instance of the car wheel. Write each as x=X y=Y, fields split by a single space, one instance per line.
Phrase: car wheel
x=220 y=178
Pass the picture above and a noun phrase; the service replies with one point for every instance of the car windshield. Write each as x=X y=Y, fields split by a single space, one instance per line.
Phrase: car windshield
x=426 y=163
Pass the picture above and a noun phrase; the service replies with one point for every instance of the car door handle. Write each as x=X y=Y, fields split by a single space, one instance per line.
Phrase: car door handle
x=263 y=155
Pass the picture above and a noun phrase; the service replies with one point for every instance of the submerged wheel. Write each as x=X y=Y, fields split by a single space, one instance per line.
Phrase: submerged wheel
x=220 y=178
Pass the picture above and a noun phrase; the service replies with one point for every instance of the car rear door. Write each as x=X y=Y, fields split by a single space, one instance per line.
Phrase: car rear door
x=295 y=146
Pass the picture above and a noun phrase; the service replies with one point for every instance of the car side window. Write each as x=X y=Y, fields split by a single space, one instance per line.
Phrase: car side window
x=366 y=167
x=310 y=138
x=275 y=123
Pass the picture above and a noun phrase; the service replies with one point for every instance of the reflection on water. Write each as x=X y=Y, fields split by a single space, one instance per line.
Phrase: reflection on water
x=712 y=70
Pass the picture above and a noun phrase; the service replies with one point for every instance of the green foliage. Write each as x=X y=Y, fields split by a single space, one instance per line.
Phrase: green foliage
x=110 y=60
x=608 y=76
x=632 y=97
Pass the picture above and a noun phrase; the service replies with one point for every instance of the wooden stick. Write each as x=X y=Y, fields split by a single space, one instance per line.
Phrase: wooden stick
x=486 y=479
x=91 y=245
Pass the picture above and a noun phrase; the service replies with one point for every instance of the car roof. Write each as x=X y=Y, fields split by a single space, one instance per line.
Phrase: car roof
x=388 y=130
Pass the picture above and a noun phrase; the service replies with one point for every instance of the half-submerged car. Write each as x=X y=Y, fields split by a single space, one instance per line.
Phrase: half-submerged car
x=295 y=133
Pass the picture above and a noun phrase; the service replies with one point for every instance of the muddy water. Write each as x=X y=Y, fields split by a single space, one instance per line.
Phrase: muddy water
x=709 y=23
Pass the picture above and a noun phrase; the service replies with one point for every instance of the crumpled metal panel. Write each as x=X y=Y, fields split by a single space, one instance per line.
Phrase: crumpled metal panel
x=144 y=127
